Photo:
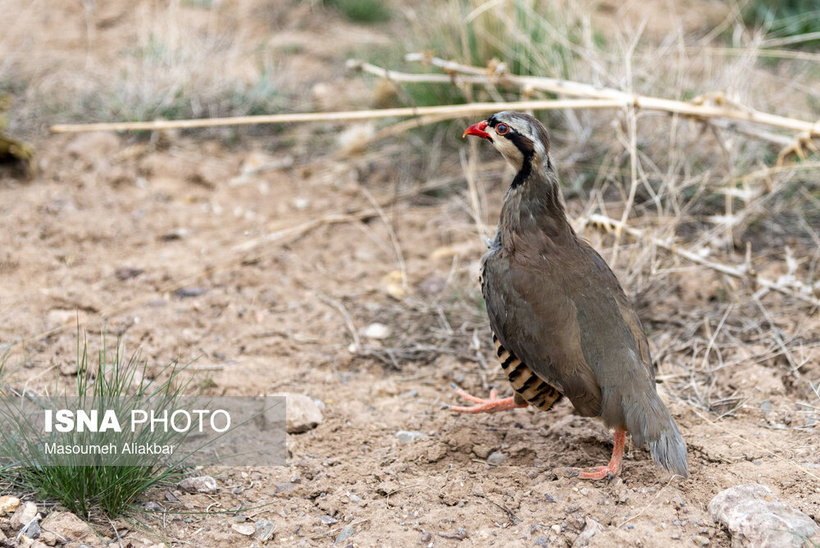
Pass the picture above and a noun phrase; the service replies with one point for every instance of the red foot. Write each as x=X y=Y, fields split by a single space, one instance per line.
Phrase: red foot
x=611 y=469
x=490 y=405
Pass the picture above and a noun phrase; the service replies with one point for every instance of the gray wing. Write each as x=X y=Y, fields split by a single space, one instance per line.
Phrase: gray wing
x=574 y=328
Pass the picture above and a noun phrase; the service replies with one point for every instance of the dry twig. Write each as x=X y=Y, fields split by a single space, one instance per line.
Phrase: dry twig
x=796 y=289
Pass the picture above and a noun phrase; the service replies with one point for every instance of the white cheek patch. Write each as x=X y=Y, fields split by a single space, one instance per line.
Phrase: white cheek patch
x=509 y=151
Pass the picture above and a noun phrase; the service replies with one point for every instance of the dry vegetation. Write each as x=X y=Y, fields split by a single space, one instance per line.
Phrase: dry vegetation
x=304 y=235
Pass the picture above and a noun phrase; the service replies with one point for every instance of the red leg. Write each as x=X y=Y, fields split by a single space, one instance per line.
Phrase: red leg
x=614 y=466
x=490 y=405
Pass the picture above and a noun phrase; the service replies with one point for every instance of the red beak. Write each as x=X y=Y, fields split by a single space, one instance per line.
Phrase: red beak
x=478 y=131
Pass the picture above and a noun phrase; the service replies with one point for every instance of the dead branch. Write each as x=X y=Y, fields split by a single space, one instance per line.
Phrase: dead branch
x=445 y=111
x=720 y=109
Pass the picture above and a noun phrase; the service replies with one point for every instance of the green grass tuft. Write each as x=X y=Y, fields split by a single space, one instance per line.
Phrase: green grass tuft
x=92 y=491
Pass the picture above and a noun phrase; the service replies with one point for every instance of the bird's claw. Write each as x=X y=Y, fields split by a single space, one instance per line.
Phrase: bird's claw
x=489 y=405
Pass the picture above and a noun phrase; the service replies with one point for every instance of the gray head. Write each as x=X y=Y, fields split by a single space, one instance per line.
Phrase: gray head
x=519 y=137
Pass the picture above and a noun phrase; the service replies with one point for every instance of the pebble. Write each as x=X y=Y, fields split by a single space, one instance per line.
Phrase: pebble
x=591 y=529
x=264 y=529
x=496 y=458
x=32 y=529
x=23 y=515
x=700 y=540
x=302 y=413
x=346 y=532
x=246 y=529
x=328 y=520
x=755 y=517
x=67 y=525
x=376 y=331
x=9 y=504
x=201 y=484
x=406 y=436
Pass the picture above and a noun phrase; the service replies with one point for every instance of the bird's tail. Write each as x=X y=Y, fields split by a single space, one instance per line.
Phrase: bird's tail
x=649 y=422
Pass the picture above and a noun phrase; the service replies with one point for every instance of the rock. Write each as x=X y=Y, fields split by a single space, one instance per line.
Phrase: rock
x=23 y=515
x=591 y=529
x=495 y=458
x=283 y=487
x=376 y=330
x=32 y=529
x=48 y=538
x=152 y=506
x=201 y=484
x=328 y=520
x=482 y=450
x=9 y=504
x=67 y=526
x=301 y=412
x=406 y=436
x=346 y=532
x=755 y=517
x=264 y=529
x=246 y=529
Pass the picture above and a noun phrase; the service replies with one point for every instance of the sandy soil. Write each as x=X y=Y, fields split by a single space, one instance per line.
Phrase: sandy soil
x=278 y=300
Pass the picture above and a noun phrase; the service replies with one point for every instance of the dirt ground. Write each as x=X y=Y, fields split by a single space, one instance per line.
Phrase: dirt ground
x=175 y=244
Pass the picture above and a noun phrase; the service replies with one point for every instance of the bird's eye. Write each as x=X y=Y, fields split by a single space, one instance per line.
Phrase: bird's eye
x=502 y=129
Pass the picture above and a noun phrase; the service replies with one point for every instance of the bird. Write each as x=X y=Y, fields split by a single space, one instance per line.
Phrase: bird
x=562 y=324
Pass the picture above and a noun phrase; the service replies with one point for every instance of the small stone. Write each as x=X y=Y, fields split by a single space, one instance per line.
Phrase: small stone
x=346 y=532
x=246 y=529
x=188 y=292
x=482 y=450
x=426 y=536
x=48 y=538
x=755 y=517
x=542 y=541
x=201 y=484
x=407 y=436
x=376 y=331
x=9 y=504
x=355 y=498
x=700 y=540
x=152 y=506
x=556 y=529
x=495 y=458
x=301 y=412
x=67 y=525
x=283 y=487
x=23 y=515
x=592 y=528
x=328 y=520
x=32 y=529
x=264 y=529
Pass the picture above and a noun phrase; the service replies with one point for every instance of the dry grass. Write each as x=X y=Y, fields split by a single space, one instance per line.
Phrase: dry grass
x=183 y=60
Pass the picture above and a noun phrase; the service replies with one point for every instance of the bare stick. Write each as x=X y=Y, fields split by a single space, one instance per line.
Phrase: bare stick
x=578 y=89
x=452 y=111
